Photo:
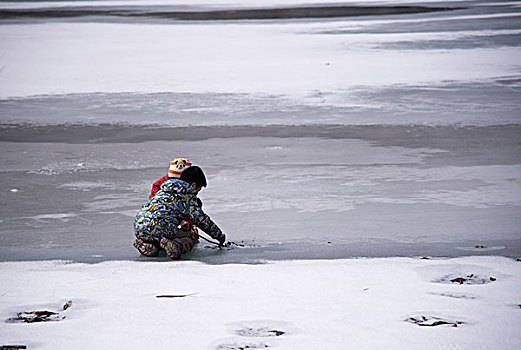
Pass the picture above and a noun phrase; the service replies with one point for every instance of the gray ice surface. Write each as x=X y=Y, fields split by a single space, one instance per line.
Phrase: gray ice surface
x=487 y=102
x=347 y=191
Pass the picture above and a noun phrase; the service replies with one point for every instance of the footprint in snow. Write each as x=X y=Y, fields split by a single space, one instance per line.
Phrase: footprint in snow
x=465 y=279
x=40 y=315
x=432 y=321
x=259 y=334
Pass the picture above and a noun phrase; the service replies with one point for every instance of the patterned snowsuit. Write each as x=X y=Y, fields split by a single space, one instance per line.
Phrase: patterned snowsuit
x=160 y=217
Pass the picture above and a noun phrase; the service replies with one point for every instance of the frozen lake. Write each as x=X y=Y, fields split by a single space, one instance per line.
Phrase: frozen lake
x=286 y=192
x=376 y=135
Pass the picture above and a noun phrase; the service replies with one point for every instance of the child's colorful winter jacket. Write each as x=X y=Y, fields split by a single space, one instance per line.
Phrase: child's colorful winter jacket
x=161 y=216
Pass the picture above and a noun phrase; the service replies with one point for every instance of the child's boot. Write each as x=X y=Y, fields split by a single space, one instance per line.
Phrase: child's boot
x=173 y=250
x=146 y=249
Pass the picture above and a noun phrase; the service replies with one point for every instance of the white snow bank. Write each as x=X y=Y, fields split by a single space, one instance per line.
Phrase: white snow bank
x=342 y=304
x=288 y=58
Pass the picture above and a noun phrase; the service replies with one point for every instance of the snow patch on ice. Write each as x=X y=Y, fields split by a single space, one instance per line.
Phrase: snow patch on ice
x=303 y=46
x=88 y=186
x=58 y=216
x=130 y=213
x=113 y=201
x=344 y=187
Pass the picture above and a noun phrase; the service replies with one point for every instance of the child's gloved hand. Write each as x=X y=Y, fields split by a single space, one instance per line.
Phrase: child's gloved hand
x=222 y=239
x=194 y=231
x=184 y=225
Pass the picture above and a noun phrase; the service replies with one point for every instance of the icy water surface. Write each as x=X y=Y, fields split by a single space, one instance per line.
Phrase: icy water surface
x=289 y=192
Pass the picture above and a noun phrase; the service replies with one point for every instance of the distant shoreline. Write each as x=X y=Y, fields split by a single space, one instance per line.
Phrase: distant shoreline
x=220 y=15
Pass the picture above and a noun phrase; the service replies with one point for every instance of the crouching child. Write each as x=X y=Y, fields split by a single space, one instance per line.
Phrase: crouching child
x=164 y=222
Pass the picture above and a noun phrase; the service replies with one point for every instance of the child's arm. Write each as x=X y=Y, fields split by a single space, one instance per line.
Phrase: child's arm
x=201 y=219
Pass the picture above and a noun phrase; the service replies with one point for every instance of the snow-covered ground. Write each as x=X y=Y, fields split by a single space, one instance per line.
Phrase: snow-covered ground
x=396 y=303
